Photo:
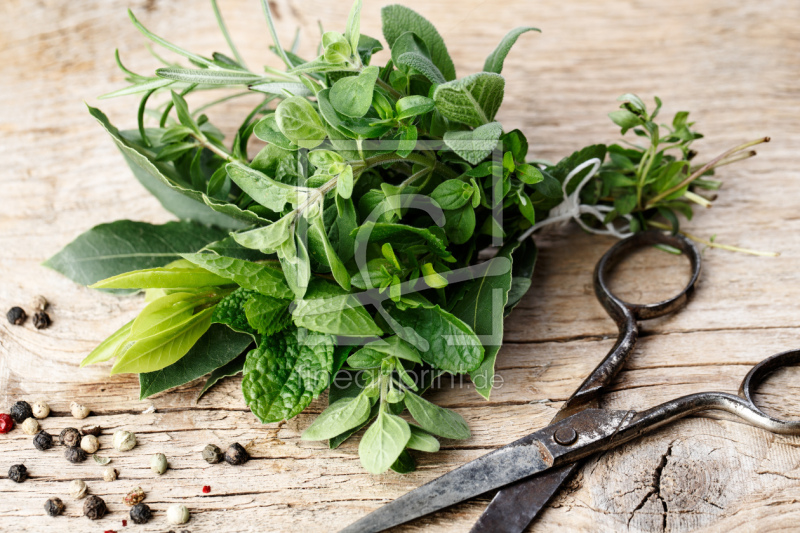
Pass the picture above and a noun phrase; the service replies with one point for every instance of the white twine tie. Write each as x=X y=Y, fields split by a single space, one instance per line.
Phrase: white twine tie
x=572 y=208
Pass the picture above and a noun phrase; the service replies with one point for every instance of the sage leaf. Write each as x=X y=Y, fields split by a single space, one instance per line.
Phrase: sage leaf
x=423 y=65
x=399 y=19
x=353 y=31
x=337 y=267
x=261 y=278
x=296 y=265
x=383 y=442
x=106 y=349
x=494 y=63
x=217 y=347
x=285 y=373
x=435 y=419
x=352 y=96
x=339 y=417
x=476 y=145
x=473 y=100
x=300 y=123
x=451 y=345
x=163 y=348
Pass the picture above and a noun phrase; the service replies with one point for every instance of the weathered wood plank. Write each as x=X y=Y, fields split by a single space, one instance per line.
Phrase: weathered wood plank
x=734 y=66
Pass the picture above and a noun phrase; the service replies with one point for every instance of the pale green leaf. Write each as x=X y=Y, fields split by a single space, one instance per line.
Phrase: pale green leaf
x=473 y=100
x=494 y=63
x=476 y=145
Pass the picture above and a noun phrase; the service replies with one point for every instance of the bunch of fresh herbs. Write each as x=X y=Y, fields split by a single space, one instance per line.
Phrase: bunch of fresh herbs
x=349 y=253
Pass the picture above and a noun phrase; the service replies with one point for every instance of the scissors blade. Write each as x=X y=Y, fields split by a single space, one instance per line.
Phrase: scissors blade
x=521 y=459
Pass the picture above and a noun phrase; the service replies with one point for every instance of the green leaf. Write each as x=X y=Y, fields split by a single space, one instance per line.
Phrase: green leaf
x=182 y=110
x=435 y=419
x=230 y=312
x=344 y=185
x=267 y=130
x=353 y=31
x=280 y=88
x=399 y=19
x=216 y=348
x=411 y=106
x=111 y=249
x=146 y=85
x=397 y=347
x=432 y=278
x=271 y=194
x=164 y=348
x=225 y=371
x=166 y=311
x=624 y=119
x=422 y=440
x=296 y=265
x=476 y=145
x=407 y=140
x=285 y=373
x=266 y=314
x=460 y=224
x=383 y=442
x=423 y=65
x=327 y=308
x=339 y=417
x=352 y=96
x=106 y=349
x=402 y=235
x=337 y=267
x=162 y=278
x=256 y=277
x=230 y=248
x=449 y=343
x=524 y=261
x=481 y=308
x=346 y=222
x=300 y=123
x=268 y=239
x=494 y=63
x=169 y=46
x=405 y=463
x=208 y=76
x=473 y=100
x=529 y=174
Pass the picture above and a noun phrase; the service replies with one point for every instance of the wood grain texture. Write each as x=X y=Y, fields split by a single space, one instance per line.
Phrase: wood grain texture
x=734 y=64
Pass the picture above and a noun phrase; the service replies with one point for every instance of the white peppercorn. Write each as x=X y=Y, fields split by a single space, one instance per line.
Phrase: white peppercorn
x=177 y=514
x=89 y=443
x=39 y=302
x=78 y=410
x=110 y=474
x=124 y=440
x=78 y=489
x=30 y=426
x=159 y=464
x=40 y=409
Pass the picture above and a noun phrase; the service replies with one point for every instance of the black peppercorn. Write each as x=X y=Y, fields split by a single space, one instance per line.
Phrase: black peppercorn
x=17 y=316
x=212 y=454
x=94 y=507
x=141 y=513
x=236 y=454
x=75 y=454
x=18 y=473
x=43 y=441
x=70 y=437
x=41 y=320
x=21 y=411
x=54 y=506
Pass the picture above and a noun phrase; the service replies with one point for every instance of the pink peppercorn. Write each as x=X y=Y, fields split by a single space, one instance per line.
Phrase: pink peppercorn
x=124 y=523
x=6 y=423
x=206 y=489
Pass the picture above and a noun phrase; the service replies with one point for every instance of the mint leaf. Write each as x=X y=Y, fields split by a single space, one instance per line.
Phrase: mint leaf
x=217 y=347
x=261 y=278
x=118 y=247
x=383 y=442
x=231 y=312
x=474 y=146
x=399 y=19
x=435 y=419
x=267 y=315
x=327 y=308
x=285 y=372
x=473 y=100
x=494 y=63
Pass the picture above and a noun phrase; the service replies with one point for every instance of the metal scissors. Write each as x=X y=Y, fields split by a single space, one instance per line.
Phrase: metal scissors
x=533 y=468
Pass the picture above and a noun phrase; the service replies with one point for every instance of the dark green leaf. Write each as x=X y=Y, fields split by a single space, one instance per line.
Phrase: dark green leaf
x=261 y=278
x=231 y=369
x=399 y=19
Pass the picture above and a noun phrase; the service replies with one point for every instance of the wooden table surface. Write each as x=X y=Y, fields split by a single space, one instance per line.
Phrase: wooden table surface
x=734 y=64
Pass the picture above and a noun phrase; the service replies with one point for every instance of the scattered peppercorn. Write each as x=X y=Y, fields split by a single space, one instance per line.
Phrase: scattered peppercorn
x=212 y=454
x=21 y=411
x=43 y=441
x=6 y=423
x=124 y=440
x=78 y=411
x=133 y=497
x=39 y=302
x=54 y=506
x=236 y=454
x=177 y=514
x=75 y=454
x=159 y=464
x=70 y=437
x=206 y=489
x=141 y=513
x=91 y=430
x=110 y=474
x=94 y=507
x=40 y=409
x=89 y=443
x=78 y=489
x=17 y=316
x=41 y=320
x=124 y=523
x=18 y=473
x=30 y=426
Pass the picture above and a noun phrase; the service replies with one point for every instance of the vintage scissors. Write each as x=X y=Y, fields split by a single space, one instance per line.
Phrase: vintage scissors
x=533 y=468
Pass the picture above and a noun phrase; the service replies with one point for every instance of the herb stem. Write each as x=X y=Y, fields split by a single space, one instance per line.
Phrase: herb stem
x=217 y=150
x=391 y=90
x=224 y=30
x=712 y=244
x=374 y=161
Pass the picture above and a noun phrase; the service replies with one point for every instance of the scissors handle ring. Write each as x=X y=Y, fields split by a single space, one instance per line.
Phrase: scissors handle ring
x=612 y=303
